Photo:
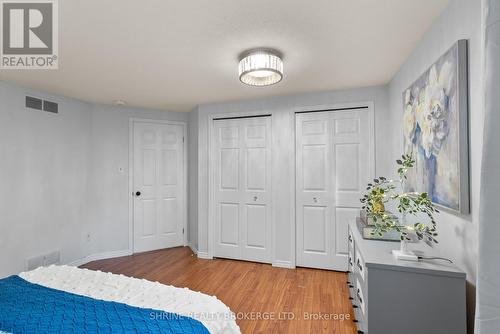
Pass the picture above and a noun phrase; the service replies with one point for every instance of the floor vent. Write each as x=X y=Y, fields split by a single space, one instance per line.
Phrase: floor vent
x=43 y=260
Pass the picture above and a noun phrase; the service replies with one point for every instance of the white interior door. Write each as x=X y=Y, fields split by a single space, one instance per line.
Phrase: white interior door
x=333 y=165
x=159 y=186
x=242 y=176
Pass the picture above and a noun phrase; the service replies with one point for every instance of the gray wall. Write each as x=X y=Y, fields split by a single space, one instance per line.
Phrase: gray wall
x=461 y=20
x=44 y=159
x=488 y=285
x=60 y=177
x=282 y=110
x=193 y=179
x=108 y=187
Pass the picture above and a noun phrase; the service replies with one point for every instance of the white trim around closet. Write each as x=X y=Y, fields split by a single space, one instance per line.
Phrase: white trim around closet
x=292 y=172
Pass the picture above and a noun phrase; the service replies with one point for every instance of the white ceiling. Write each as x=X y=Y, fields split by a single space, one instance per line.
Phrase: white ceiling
x=174 y=55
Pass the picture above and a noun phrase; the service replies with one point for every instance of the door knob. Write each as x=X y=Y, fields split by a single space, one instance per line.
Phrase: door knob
x=255 y=198
x=137 y=193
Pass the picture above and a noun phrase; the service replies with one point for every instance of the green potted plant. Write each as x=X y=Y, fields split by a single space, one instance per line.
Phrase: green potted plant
x=383 y=192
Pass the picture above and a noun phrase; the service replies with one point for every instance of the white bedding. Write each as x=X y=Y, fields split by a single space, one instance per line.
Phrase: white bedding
x=210 y=311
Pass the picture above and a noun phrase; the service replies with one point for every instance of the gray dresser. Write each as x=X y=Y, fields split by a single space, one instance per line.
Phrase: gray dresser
x=391 y=296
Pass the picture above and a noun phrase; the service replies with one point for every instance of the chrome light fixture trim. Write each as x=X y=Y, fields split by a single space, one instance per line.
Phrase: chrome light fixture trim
x=261 y=67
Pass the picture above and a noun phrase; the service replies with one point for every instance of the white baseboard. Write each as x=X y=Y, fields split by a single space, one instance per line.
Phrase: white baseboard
x=204 y=255
x=99 y=256
x=77 y=263
x=283 y=264
x=193 y=247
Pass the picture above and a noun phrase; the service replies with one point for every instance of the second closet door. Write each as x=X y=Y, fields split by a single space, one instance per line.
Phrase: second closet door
x=242 y=149
x=333 y=165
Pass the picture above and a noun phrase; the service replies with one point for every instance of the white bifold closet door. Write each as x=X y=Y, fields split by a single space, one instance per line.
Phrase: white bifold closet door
x=242 y=177
x=159 y=186
x=333 y=167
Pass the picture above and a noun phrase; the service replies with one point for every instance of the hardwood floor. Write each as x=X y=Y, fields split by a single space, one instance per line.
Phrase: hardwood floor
x=250 y=287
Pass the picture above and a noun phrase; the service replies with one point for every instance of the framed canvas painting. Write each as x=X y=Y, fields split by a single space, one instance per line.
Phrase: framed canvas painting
x=435 y=128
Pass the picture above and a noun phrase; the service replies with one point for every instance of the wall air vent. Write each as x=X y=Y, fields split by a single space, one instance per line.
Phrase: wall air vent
x=50 y=106
x=33 y=103
x=39 y=104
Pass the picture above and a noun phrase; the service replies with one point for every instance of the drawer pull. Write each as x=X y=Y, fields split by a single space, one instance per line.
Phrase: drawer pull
x=359 y=265
x=354 y=320
x=361 y=332
x=351 y=286
x=355 y=306
x=359 y=297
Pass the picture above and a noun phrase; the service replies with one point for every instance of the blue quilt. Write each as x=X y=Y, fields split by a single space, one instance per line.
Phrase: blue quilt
x=31 y=308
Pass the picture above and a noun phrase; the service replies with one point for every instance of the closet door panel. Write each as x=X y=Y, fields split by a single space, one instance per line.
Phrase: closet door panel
x=332 y=167
x=257 y=215
x=351 y=144
x=228 y=191
x=313 y=195
x=243 y=190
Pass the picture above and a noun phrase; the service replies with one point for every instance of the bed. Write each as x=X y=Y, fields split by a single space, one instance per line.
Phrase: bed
x=62 y=299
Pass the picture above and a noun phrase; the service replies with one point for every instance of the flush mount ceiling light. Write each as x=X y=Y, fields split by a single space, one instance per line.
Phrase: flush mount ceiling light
x=262 y=67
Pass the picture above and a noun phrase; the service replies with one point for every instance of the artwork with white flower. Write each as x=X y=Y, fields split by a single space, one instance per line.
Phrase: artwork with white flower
x=435 y=131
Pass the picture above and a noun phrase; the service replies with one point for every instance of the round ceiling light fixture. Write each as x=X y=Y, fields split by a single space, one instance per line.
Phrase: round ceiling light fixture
x=261 y=67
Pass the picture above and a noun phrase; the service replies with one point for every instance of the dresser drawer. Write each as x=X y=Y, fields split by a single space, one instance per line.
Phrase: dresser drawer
x=350 y=261
x=351 y=252
x=350 y=239
x=351 y=285
x=357 y=297
x=351 y=258
x=359 y=266
x=360 y=297
x=361 y=323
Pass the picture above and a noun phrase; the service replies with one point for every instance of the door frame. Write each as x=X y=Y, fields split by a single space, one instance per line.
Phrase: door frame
x=211 y=177
x=132 y=122
x=370 y=106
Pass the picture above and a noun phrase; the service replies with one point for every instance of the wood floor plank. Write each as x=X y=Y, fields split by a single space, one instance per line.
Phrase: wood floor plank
x=246 y=287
